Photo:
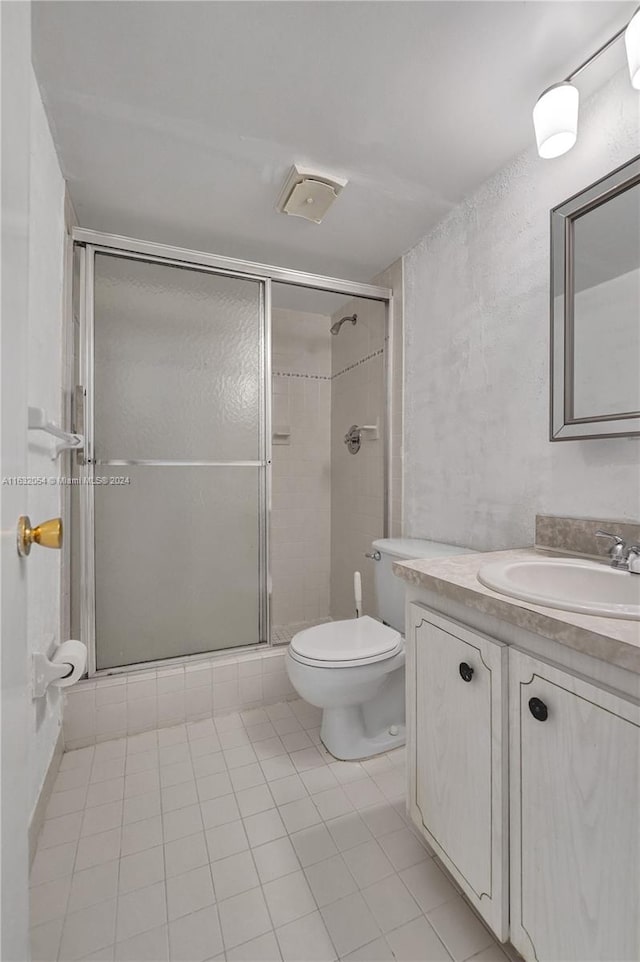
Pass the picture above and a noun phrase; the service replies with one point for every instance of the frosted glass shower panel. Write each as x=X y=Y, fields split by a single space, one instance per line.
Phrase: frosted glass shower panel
x=176 y=562
x=178 y=355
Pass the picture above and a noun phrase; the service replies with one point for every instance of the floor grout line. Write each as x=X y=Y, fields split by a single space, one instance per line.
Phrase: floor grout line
x=304 y=720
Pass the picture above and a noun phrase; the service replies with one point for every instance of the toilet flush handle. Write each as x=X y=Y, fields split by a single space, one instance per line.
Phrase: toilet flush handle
x=375 y=555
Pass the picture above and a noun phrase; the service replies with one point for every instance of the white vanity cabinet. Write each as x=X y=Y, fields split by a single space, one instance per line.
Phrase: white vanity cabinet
x=575 y=816
x=456 y=719
x=524 y=777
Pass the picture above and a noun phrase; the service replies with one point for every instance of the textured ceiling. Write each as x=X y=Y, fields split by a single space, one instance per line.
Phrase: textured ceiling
x=178 y=121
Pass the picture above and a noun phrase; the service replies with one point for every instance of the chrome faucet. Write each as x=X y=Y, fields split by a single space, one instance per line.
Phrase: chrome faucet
x=633 y=559
x=624 y=557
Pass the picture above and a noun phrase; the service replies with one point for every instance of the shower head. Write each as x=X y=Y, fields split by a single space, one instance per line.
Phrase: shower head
x=335 y=327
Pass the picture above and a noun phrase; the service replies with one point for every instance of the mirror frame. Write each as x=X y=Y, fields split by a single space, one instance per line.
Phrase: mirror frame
x=563 y=425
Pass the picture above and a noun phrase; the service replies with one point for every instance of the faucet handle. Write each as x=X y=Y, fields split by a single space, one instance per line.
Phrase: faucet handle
x=633 y=559
x=618 y=550
x=607 y=534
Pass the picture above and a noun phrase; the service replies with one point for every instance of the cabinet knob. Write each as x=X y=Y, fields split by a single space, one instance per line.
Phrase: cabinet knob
x=538 y=709
x=466 y=671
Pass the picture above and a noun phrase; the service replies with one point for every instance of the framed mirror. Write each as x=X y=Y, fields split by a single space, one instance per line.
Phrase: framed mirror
x=595 y=310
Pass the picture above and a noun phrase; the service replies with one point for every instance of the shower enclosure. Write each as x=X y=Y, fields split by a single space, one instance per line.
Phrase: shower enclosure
x=172 y=493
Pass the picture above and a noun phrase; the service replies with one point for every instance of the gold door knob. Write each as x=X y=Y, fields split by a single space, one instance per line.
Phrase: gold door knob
x=47 y=535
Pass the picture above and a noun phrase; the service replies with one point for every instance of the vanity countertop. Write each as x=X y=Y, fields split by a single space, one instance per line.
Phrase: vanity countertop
x=612 y=640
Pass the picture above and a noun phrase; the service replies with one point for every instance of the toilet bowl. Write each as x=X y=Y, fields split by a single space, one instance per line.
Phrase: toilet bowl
x=354 y=670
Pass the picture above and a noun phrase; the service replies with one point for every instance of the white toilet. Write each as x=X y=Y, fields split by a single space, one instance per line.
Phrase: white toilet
x=354 y=670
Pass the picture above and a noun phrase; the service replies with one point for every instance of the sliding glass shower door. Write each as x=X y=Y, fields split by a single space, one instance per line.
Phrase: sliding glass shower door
x=177 y=456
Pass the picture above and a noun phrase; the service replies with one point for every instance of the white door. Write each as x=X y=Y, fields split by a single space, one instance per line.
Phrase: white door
x=575 y=817
x=458 y=736
x=16 y=66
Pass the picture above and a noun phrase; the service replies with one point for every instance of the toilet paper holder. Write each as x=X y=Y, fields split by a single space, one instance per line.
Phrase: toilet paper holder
x=47 y=672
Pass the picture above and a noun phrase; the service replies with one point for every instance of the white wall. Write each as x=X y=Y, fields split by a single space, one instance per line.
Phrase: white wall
x=478 y=465
x=46 y=260
x=15 y=77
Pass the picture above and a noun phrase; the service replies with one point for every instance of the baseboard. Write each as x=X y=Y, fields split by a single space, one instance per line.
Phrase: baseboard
x=37 y=818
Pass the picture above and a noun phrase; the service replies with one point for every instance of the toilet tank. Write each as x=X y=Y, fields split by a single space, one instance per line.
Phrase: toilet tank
x=389 y=589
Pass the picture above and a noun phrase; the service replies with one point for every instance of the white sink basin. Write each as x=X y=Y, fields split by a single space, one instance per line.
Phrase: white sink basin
x=567 y=583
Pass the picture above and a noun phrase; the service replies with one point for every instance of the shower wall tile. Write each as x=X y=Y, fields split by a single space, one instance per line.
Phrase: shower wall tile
x=301 y=495
x=197 y=676
x=161 y=698
x=198 y=703
x=358 y=481
x=110 y=721
x=142 y=716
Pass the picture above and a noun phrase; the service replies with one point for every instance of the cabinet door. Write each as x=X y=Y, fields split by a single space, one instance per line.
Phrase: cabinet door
x=456 y=737
x=575 y=817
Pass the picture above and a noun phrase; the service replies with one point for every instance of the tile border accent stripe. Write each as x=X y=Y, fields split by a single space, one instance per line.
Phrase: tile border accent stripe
x=363 y=360
x=312 y=377
x=330 y=377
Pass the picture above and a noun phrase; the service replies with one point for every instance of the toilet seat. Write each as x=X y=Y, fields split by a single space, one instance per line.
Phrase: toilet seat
x=344 y=644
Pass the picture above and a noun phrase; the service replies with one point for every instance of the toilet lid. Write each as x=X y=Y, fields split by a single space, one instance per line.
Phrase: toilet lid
x=357 y=640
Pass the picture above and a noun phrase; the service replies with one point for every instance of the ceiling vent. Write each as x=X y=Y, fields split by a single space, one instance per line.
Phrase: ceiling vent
x=309 y=194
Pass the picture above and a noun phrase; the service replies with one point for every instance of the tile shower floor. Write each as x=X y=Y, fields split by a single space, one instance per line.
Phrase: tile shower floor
x=240 y=838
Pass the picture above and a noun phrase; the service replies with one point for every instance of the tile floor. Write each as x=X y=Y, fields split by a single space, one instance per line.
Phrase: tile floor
x=240 y=838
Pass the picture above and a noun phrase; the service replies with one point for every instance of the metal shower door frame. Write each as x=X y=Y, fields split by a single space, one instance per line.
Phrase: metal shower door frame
x=90 y=463
x=89 y=243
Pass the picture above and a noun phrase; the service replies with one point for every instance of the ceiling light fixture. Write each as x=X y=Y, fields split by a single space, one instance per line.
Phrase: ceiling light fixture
x=555 y=118
x=632 y=43
x=555 y=115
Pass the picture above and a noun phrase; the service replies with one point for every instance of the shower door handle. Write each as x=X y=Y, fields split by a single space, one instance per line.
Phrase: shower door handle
x=77 y=418
x=78 y=409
